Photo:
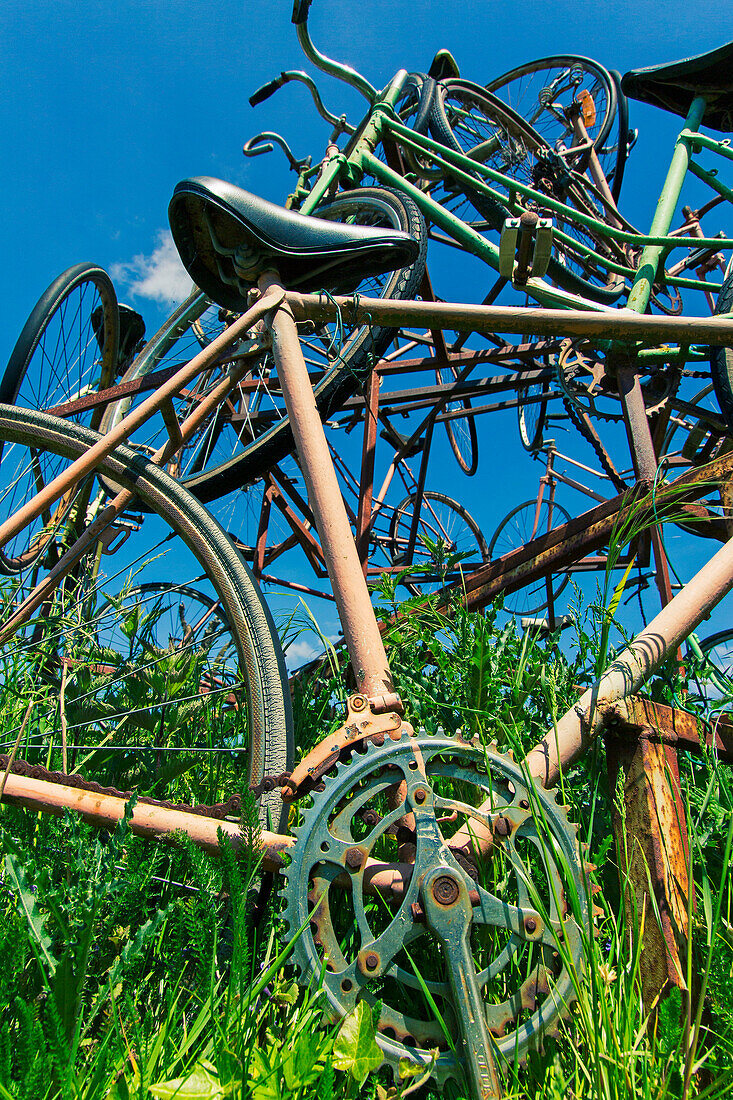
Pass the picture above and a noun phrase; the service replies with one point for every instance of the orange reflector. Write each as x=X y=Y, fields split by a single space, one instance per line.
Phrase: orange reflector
x=588 y=106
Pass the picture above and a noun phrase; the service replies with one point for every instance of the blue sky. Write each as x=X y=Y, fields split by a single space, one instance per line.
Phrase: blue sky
x=104 y=107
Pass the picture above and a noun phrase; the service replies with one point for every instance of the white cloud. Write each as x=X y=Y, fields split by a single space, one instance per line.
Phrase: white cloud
x=160 y=276
x=300 y=652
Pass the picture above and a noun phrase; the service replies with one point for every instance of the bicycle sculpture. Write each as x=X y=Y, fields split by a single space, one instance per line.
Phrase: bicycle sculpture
x=405 y=840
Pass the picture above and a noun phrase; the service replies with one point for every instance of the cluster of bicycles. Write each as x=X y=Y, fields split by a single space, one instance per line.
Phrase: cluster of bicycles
x=323 y=311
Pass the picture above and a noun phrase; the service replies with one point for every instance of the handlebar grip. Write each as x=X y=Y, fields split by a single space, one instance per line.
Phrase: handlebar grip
x=266 y=90
x=300 y=11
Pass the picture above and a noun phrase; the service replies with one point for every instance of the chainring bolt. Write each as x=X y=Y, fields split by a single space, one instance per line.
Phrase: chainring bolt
x=445 y=890
x=371 y=962
x=420 y=795
x=502 y=826
x=530 y=925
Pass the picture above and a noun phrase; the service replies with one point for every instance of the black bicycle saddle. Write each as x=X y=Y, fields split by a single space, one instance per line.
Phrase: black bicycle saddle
x=673 y=87
x=227 y=237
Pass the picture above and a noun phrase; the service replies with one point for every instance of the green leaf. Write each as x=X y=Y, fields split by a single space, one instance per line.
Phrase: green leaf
x=35 y=919
x=203 y=1084
x=355 y=1050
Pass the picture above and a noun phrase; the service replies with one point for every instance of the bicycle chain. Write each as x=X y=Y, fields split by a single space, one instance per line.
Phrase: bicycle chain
x=219 y=810
x=581 y=422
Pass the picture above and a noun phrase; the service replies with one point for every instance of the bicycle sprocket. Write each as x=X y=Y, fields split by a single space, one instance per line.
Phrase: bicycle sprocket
x=391 y=816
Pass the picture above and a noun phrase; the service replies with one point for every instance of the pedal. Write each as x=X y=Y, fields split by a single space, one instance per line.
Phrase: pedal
x=525 y=247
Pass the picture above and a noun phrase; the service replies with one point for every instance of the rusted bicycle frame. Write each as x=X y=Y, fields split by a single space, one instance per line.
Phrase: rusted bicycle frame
x=375 y=710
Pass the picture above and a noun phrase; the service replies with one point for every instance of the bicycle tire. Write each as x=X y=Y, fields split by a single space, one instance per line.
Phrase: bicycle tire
x=719 y=649
x=532 y=400
x=540 y=89
x=69 y=344
x=446 y=522
x=470 y=120
x=514 y=531
x=221 y=460
x=413 y=109
x=269 y=746
x=721 y=359
x=461 y=431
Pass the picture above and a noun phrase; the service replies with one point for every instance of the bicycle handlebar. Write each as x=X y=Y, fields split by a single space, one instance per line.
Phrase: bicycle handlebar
x=326 y=64
x=300 y=11
x=266 y=141
x=266 y=90
x=298 y=75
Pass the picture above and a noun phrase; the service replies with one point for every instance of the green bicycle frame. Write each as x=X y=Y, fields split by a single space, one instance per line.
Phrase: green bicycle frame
x=380 y=123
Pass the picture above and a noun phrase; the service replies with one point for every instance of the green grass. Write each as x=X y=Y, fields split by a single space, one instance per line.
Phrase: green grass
x=136 y=970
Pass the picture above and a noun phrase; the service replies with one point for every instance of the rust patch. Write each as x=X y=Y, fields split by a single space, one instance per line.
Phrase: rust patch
x=652 y=853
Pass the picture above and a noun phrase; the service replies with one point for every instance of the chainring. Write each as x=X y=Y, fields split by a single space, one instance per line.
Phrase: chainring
x=396 y=810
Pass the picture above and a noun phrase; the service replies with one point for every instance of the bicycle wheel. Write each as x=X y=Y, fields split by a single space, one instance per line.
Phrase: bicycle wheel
x=718 y=649
x=168 y=615
x=541 y=92
x=721 y=359
x=449 y=543
x=412 y=109
x=68 y=346
x=472 y=121
x=461 y=431
x=531 y=414
x=515 y=530
x=252 y=432
x=140 y=717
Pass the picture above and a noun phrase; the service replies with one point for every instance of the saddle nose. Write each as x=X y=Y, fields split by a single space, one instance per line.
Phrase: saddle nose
x=227 y=237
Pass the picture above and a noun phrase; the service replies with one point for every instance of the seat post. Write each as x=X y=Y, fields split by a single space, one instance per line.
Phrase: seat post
x=361 y=632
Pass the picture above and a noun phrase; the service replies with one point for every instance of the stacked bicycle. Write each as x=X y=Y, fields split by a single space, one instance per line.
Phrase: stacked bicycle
x=411 y=818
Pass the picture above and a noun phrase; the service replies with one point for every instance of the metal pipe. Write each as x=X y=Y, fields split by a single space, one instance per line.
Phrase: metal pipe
x=91 y=458
x=361 y=633
x=653 y=254
x=577 y=728
x=612 y=324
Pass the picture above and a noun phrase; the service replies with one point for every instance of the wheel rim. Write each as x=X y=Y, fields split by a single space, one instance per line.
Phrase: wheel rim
x=517 y=530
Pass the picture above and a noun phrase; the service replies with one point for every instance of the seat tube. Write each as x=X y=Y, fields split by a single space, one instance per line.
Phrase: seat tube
x=652 y=254
x=361 y=632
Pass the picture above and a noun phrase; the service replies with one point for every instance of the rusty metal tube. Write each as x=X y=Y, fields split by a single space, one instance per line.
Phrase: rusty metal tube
x=633 y=667
x=103 y=811
x=361 y=633
x=608 y=324
x=91 y=458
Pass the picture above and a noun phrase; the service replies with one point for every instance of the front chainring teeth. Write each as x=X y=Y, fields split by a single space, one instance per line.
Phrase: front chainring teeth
x=355 y=818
